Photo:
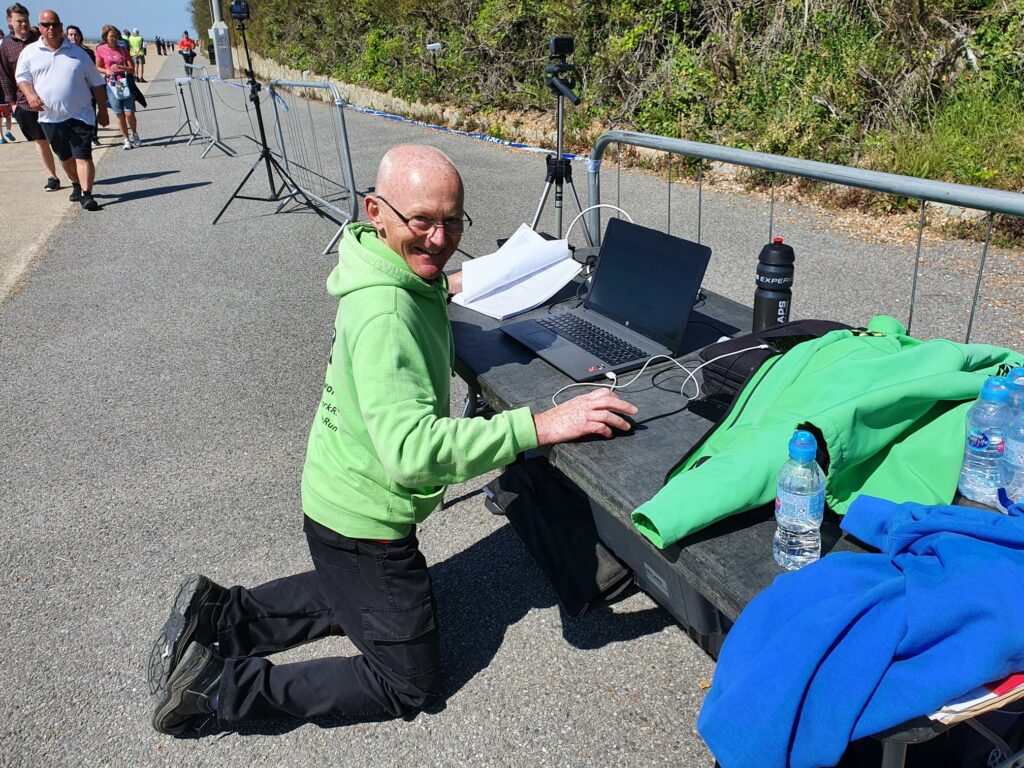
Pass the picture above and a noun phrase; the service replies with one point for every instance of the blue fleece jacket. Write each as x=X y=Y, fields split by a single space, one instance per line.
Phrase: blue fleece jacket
x=858 y=643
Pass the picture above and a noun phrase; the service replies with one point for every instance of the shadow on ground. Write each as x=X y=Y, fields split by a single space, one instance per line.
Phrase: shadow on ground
x=472 y=631
x=140 y=194
x=133 y=177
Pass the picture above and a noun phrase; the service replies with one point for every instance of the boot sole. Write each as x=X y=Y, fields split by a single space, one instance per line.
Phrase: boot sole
x=162 y=659
x=174 y=694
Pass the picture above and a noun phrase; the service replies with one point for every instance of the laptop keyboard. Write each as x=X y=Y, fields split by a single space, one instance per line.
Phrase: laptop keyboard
x=597 y=341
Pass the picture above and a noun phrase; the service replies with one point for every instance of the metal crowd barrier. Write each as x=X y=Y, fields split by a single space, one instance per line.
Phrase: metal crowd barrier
x=204 y=112
x=925 y=191
x=315 y=156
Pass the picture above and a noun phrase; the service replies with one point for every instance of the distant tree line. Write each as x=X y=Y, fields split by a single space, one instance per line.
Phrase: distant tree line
x=928 y=88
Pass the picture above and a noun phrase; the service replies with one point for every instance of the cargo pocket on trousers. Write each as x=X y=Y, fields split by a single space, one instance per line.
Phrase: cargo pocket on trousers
x=405 y=639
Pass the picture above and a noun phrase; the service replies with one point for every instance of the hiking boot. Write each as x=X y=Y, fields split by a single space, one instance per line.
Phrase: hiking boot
x=190 y=690
x=89 y=202
x=52 y=184
x=76 y=193
x=136 y=141
x=193 y=618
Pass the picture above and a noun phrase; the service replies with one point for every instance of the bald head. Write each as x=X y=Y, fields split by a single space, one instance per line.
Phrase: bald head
x=417 y=197
x=410 y=165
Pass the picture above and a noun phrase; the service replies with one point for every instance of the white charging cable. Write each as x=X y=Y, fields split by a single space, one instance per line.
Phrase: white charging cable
x=690 y=374
x=590 y=208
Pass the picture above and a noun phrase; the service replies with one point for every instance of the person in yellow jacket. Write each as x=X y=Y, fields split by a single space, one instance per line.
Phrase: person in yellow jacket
x=137 y=49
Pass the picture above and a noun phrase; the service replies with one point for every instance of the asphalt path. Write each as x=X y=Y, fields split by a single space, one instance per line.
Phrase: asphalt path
x=158 y=376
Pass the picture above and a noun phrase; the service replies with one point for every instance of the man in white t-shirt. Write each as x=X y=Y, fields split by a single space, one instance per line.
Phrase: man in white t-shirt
x=59 y=80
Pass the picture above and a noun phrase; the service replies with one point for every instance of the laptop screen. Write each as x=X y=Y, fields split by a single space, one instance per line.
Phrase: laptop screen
x=647 y=280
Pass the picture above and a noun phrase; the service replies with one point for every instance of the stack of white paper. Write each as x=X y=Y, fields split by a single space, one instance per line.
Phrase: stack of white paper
x=524 y=273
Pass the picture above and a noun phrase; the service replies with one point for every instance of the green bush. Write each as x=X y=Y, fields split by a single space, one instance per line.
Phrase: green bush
x=931 y=89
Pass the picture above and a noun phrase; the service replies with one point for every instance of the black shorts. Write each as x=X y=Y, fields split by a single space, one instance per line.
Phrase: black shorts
x=70 y=138
x=28 y=121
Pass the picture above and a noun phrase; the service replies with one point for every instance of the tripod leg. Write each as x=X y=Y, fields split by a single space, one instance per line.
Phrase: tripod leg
x=288 y=182
x=579 y=209
x=177 y=133
x=540 y=205
x=238 y=189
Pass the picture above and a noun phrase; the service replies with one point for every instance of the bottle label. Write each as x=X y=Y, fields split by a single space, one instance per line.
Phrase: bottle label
x=799 y=506
x=1014 y=452
x=980 y=441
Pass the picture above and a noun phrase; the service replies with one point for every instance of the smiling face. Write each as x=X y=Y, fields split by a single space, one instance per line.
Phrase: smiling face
x=74 y=36
x=417 y=181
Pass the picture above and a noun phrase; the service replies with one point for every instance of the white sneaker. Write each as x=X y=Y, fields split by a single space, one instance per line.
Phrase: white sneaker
x=136 y=141
x=127 y=144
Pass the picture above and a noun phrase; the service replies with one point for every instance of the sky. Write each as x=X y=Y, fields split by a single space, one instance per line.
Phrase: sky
x=166 y=18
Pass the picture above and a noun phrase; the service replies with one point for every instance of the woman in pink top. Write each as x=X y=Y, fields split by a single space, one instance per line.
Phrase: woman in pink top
x=116 y=65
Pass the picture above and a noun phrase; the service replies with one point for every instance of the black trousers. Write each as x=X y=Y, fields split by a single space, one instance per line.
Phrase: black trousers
x=378 y=594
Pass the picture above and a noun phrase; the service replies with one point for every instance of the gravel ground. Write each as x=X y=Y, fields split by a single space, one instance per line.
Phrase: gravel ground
x=158 y=376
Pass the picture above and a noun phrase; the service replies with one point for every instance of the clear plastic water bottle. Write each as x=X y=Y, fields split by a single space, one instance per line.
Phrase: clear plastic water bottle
x=799 y=504
x=981 y=475
x=1015 y=383
x=1013 y=455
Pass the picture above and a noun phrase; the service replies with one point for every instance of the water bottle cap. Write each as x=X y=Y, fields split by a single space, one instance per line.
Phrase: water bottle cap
x=776 y=240
x=1015 y=378
x=802 y=446
x=994 y=390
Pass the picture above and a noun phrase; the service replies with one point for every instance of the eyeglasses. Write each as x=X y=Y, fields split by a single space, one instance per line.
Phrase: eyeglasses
x=49 y=24
x=422 y=225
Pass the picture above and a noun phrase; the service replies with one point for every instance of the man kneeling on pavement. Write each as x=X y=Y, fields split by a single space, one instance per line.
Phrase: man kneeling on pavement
x=381 y=450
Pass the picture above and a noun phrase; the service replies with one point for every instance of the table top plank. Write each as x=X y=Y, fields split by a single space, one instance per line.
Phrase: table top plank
x=729 y=562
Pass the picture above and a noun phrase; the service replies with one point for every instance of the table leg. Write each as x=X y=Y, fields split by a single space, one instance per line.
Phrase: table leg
x=893 y=754
x=472 y=394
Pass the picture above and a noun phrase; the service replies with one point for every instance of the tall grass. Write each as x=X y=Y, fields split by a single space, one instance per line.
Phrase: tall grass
x=976 y=137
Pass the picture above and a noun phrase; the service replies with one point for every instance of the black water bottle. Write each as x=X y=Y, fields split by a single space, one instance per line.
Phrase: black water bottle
x=773 y=297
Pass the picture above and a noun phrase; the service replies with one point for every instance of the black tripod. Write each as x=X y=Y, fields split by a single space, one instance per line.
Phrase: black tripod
x=559 y=168
x=266 y=156
x=188 y=121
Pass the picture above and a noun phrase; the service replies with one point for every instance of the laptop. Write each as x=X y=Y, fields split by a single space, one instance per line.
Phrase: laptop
x=637 y=307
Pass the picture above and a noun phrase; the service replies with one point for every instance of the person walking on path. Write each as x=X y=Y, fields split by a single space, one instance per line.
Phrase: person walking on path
x=115 y=64
x=137 y=50
x=59 y=80
x=28 y=119
x=75 y=37
x=187 y=48
x=5 y=114
x=381 y=451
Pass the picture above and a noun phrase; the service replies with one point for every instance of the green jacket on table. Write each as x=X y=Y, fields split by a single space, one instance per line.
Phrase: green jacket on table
x=383 y=446
x=891 y=410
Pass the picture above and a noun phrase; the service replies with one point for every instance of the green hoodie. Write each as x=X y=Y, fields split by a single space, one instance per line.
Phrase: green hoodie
x=890 y=409
x=383 y=447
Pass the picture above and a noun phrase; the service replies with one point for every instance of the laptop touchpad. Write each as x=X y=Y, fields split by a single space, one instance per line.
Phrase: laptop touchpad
x=542 y=339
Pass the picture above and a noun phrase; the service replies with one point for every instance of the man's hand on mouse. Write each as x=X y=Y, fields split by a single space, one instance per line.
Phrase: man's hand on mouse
x=594 y=413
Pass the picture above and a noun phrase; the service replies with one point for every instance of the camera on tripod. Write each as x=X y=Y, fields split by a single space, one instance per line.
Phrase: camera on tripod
x=239 y=10
x=559 y=72
x=562 y=46
x=558 y=75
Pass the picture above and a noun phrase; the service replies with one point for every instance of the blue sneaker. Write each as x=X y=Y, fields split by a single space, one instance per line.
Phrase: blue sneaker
x=2 y=140
x=9 y=136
